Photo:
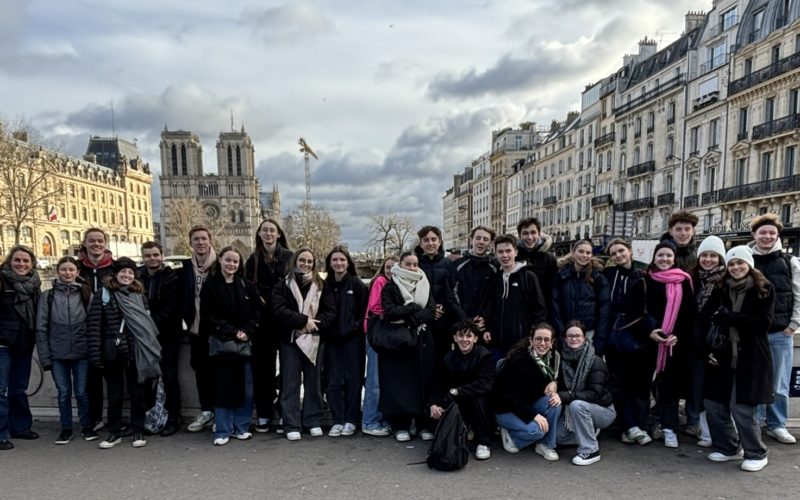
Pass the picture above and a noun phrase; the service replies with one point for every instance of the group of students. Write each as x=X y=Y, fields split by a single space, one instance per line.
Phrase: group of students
x=551 y=354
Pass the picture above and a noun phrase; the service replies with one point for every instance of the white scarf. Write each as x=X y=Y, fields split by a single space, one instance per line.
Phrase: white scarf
x=413 y=285
x=306 y=341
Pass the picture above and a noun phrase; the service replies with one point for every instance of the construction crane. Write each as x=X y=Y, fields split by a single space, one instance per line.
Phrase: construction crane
x=306 y=150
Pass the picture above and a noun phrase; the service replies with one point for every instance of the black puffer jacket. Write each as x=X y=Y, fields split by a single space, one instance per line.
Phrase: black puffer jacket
x=61 y=324
x=514 y=303
x=474 y=278
x=441 y=274
x=163 y=299
x=595 y=387
x=106 y=342
x=287 y=317
x=543 y=264
x=590 y=303
x=351 y=306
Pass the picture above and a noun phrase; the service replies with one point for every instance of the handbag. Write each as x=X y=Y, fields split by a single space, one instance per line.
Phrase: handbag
x=218 y=348
x=384 y=336
x=623 y=336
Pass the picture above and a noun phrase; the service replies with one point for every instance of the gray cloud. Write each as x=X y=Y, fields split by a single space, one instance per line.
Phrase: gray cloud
x=294 y=21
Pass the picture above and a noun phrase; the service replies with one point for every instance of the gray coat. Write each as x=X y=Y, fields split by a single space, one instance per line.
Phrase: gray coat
x=61 y=324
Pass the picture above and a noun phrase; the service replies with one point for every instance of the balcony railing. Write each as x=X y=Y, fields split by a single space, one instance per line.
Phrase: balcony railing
x=623 y=139
x=778 y=68
x=549 y=200
x=710 y=197
x=650 y=129
x=637 y=134
x=651 y=94
x=642 y=168
x=665 y=199
x=742 y=136
x=757 y=189
x=713 y=63
x=604 y=139
x=776 y=127
x=671 y=120
x=691 y=201
x=638 y=204
x=602 y=200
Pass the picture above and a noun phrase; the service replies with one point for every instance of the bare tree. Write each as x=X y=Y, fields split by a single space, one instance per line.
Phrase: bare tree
x=27 y=183
x=312 y=226
x=185 y=213
x=381 y=230
x=403 y=233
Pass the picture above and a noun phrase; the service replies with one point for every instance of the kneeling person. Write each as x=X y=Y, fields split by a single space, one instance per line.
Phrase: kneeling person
x=583 y=392
x=466 y=377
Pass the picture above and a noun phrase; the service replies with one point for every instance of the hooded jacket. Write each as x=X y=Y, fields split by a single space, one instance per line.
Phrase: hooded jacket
x=513 y=304
x=61 y=324
x=590 y=303
x=351 y=305
x=543 y=264
x=441 y=274
x=474 y=275
x=162 y=290
x=783 y=271
x=94 y=274
x=687 y=256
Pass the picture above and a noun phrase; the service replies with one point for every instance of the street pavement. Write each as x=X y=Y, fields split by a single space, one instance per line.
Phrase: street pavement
x=187 y=466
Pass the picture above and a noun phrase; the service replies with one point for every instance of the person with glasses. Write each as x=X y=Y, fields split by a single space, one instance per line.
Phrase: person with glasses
x=524 y=396
x=584 y=394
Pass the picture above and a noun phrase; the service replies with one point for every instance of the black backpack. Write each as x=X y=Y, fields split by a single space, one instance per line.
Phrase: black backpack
x=449 y=447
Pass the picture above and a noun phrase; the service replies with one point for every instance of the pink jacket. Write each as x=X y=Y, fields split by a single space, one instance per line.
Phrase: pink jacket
x=374 y=306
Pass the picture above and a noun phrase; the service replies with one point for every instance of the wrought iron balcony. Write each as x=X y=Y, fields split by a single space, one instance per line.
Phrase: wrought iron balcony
x=651 y=94
x=710 y=197
x=638 y=204
x=769 y=187
x=637 y=134
x=671 y=120
x=776 y=127
x=604 y=139
x=642 y=168
x=602 y=200
x=742 y=136
x=775 y=69
x=665 y=199
x=549 y=200
x=691 y=201
x=650 y=129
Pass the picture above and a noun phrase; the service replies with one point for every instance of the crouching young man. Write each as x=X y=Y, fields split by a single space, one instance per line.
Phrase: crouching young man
x=465 y=377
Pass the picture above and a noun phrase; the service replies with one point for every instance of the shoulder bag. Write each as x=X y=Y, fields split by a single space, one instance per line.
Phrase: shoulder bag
x=384 y=336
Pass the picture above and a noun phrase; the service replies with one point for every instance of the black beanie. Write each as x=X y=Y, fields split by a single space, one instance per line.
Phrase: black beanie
x=123 y=263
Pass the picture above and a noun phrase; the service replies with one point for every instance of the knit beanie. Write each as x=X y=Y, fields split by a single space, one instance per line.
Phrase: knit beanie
x=741 y=252
x=665 y=244
x=712 y=244
x=124 y=263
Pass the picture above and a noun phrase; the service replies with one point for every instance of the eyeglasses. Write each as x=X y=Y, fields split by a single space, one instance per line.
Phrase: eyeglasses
x=542 y=340
x=574 y=336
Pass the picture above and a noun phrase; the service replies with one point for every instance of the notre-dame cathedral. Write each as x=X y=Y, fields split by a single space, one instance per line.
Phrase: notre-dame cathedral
x=228 y=200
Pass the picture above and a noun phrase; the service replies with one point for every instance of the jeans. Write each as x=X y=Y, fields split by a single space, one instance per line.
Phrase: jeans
x=201 y=364
x=344 y=362
x=297 y=369
x=371 y=417
x=15 y=413
x=70 y=376
x=231 y=421
x=782 y=348
x=525 y=434
x=119 y=374
x=586 y=419
x=746 y=434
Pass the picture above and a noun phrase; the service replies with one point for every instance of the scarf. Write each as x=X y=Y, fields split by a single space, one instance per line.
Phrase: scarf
x=672 y=278
x=708 y=281
x=575 y=375
x=200 y=274
x=548 y=364
x=146 y=349
x=27 y=288
x=106 y=260
x=737 y=289
x=413 y=285
x=308 y=342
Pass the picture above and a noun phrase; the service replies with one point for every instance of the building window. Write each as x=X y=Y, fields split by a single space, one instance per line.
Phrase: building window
x=717 y=56
x=728 y=19
x=742 y=124
x=636 y=156
x=737 y=218
x=693 y=140
x=670 y=146
x=769 y=109
x=84 y=214
x=786 y=214
x=671 y=112
x=748 y=66
x=793 y=102
x=174 y=160
x=184 y=168
x=73 y=212
x=624 y=133
x=776 y=54
x=668 y=184
x=711 y=177
x=83 y=193
x=740 y=172
x=713 y=133
x=622 y=162
x=789 y=158
x=766 y=165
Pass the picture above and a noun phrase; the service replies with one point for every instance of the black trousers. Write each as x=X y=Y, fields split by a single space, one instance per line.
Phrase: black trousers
x=632 y=373
x=170 y=349
x=476 y=415
x=94 y=389
x=265 y=380
x=118 y=374
x=201 y=364
x=344 y=363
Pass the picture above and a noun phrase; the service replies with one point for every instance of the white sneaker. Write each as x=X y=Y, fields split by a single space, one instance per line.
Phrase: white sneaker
x=349 y=429
x=670 y=438
x=426 y=435
x=704 y=443
x=721 y=457
x=402 y=436
x=336 y=431
x=636 y=435
x=293 y=436
x=201 y=422
x=508 y=443
x=781 y=435
x=754 y=465
x=315 y=431
x=379 y=431
x=244 y=436
x=482 y=452
x=221 y=441
x=548 y=454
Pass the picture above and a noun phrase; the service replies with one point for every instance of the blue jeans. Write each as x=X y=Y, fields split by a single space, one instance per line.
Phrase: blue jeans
x=526 y=433
x=15 y=413
x=69 y=375
x=371 y=417
x=236 y=420
x=781 y=347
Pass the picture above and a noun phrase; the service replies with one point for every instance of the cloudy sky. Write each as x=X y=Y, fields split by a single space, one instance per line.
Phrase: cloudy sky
x=395 y=97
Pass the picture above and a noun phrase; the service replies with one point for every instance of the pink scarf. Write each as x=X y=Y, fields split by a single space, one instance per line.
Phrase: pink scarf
x=672 y=278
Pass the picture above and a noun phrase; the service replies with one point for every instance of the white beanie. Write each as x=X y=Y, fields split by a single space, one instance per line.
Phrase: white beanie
x=741 y=252
x=712 y=244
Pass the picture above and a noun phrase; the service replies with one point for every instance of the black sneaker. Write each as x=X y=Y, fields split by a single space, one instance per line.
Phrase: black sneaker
x=170 y=429
x=126 y=430
x=27 y=435
x=89 y=434
x=262 y=428
x=6 y=445
x=586 y=458
x=65 y=436
x=111 y=441
x=138 y=440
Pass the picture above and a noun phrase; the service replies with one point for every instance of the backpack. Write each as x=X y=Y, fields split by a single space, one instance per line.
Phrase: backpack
x=449 y=446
